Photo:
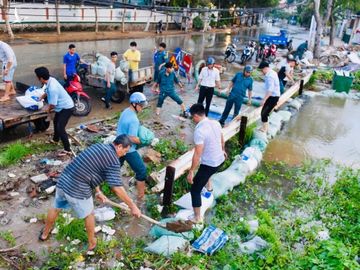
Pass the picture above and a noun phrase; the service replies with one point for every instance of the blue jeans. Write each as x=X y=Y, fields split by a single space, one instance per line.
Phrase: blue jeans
x=136 y=164
x=282 y=86
x=109 y=92
x=232 y=100
x=172 y=95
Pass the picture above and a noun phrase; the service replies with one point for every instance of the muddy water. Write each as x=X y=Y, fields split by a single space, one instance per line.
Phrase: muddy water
x=324 y=128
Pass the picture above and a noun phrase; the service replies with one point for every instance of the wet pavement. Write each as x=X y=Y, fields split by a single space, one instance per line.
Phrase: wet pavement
x=324 y=128
x=199 y=45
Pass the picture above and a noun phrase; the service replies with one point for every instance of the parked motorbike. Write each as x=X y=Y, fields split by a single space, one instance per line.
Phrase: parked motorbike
x=231 y=54
x=81 y=99
x=262 y=51
x=272 y=53
x=248 y=52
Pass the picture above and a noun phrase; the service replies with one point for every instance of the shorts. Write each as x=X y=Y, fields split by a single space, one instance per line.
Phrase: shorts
x=172 y=95
x=136 y=164
x=10 y=76
x=81 y=207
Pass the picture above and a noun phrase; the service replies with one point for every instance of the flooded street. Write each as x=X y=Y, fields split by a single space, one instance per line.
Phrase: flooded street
x=324 y=128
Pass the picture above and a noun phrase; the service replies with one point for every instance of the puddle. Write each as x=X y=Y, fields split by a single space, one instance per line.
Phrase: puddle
x=324 y=128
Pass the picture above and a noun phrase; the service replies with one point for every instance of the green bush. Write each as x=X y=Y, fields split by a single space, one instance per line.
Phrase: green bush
x=198 y=23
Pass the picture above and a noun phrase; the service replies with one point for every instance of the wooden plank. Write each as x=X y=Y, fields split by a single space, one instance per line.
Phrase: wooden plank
x=183 y=163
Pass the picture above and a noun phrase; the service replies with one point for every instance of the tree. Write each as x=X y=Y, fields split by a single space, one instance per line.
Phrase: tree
x=5 y=12
x=58 y=27
x=321 y=21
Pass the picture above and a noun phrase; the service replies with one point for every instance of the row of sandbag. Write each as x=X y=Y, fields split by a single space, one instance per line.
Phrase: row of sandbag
x=100 y=66
x=168 y=242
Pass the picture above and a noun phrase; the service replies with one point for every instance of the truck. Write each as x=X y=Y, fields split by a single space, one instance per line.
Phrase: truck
x=141 y=77
x=282 y=41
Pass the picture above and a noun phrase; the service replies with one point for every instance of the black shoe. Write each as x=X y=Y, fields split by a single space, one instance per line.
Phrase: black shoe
x=222 y=123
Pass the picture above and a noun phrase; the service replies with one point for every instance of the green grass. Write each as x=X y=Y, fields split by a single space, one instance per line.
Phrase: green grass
x=8 y=237
x=14 y=152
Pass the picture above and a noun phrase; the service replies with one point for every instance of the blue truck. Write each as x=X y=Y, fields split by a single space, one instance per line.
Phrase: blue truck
x=282 y=41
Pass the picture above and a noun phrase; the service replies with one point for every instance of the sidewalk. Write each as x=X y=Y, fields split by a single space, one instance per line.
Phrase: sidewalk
x=52 y=37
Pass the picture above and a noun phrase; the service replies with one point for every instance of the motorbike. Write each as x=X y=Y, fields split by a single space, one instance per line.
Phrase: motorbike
x=248 y=52
x=80 y=98
x=262 y=51
x=272 y=53
x=231 y=54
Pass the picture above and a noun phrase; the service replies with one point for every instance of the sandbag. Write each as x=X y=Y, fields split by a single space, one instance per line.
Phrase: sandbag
x=285 y=115
x=255 y=244
x=295 y=104
x=94 y=68
x=34 y=91
x=30 y=102
x=145 y=135
x=253 y=152
x=275 y=119
x=119 y=75
x=251 y=161
x=157 y=231
x=167 y=245
x=272 y=131
x=185 y=202
x=102 y=60
x=260 y=135
x=124 y=66
x=211 y=240
x=220 y=185
x=101 y=70
x=260 y=144
x=231 y=176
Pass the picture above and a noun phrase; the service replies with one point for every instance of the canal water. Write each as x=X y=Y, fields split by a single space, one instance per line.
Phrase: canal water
x=324 y=128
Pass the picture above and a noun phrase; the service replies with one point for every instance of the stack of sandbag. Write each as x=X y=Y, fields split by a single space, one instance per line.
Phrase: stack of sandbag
x=120 y=76
x=100 y=66
x=32 y=98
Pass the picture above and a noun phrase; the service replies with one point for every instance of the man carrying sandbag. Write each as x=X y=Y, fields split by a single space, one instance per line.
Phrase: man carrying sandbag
x=209 y=153
x=241 y=82
x=129 y=124
x=98 y=163
x=59 y=101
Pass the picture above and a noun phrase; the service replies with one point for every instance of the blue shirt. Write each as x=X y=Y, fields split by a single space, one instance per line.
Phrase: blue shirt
x=96 y=164
x=240 y=85
x=166 y=81
x=71 y=61
x=160 y=57
x=58 y=96
x=128 y=124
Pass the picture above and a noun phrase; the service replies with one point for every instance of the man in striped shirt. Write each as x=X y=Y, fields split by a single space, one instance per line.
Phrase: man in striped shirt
x=84 y=174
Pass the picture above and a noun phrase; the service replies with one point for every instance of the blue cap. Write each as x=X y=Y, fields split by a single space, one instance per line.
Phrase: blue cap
x=248 y=68
x=210 y=61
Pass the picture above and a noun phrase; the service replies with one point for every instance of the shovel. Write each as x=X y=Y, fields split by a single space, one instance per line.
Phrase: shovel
x=175 y=226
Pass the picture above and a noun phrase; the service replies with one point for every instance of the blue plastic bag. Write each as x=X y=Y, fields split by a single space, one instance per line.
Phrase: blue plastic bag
x=211 y=240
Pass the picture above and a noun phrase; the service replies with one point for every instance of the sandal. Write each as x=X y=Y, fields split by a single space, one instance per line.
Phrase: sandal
x=40 y=236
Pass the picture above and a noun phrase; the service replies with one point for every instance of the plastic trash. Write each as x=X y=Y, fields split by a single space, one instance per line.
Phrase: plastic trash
x=145 y=135
x=255 y=244
x=253 y=225
x=52 y=162
x=109 y=139
x=124 y=66
x=104 y=213
x=108 y=230
x=119 y=74
x=94 y=68
x=167 y=245
x=157 y=231
x=211 y=240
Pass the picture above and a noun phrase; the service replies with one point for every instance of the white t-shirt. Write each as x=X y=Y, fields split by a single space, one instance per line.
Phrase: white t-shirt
x=208 y=133
x=111 y=70
x=7 y=54
x=209 y=76
x=289 y=70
